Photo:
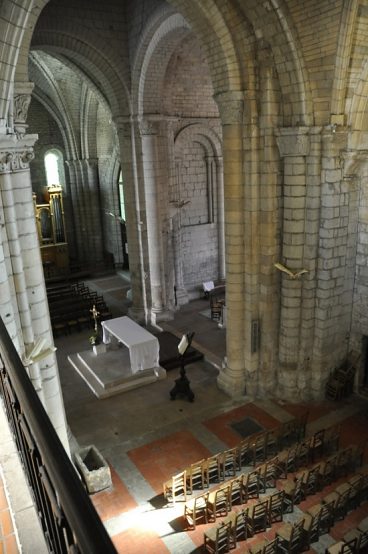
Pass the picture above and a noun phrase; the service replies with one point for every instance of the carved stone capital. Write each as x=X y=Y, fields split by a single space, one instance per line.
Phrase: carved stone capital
x=293 y=141
x=16 y=153
x=231 y=106
x=21 y=102
x=149 y=127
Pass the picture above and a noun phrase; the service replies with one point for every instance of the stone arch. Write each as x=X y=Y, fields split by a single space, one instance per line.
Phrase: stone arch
x=344 y=48
x=56 y=108
x=164 y=25
x=15 y=29
x=358 y=113
x=92 y=59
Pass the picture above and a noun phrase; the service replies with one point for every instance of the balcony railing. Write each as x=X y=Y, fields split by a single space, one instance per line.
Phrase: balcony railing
x=68 y=518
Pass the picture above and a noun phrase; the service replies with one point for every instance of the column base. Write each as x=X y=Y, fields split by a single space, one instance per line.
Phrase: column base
x=232 y=384
x=163 y=315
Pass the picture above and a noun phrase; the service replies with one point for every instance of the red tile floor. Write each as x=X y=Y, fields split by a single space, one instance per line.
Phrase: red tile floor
x=159 y=459
x=8 y=542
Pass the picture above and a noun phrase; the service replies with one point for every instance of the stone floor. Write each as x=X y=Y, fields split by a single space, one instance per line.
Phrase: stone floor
x=146 y=438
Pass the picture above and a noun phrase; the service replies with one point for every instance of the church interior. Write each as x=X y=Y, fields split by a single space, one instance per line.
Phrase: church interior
x=197 y=167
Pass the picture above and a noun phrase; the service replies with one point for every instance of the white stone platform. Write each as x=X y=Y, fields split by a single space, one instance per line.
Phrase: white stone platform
x=109 y=373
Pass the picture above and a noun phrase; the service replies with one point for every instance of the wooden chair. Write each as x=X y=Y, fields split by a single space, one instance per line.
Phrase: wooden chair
x=267 y=475
x=195 y=510
x=218 y=539
x=228 y=462
x=257 y=517
x=302 y=456
x=316 y=445
x=288 y=433
x=176 y=487
x=327 y=471
x=343 y=547
x=291 y=537
x=324 y=513
x=311 y=481
x=238 y=525
x=236 y=491
x=259 y=449
x=310 y=532
x=272 y=442
x=195 y=476
x=212 y=469
x=361 y=538
x=250 y=485
x=265 y=547
x=218 y=503
x=293 y=494
x=244 y=453
x=275 y=507
x=287 y=462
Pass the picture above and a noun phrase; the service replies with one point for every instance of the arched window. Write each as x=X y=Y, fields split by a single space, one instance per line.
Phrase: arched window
x=54 y=168
x=121 y=196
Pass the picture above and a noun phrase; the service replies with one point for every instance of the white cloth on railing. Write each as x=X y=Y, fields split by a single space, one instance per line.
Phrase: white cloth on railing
x=143 y=346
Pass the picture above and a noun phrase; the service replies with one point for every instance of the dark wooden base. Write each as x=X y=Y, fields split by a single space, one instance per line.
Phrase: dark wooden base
x=182 y=387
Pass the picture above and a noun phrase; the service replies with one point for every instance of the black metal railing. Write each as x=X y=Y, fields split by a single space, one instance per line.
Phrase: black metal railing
x=68 y=518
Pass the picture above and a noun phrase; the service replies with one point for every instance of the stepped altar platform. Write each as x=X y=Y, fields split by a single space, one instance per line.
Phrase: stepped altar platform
x=128 y=361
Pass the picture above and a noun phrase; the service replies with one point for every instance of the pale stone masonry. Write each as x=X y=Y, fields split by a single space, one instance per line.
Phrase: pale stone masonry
x=241 y=131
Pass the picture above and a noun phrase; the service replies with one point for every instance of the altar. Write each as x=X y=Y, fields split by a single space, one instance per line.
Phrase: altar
x=143 y=346
x=131 y=359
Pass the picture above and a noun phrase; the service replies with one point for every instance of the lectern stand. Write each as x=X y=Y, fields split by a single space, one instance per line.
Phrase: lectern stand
x=182 y=385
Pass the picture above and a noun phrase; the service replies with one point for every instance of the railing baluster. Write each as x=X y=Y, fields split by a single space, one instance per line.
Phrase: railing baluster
x=69 y=521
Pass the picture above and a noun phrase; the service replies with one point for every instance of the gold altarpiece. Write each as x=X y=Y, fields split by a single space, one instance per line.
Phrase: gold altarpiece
x=51 y=232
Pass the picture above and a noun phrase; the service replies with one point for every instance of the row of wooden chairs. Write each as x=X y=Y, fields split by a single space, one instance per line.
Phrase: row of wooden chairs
x=250 y=451
x=225 y=464
x=354 y=541
x=297 y=537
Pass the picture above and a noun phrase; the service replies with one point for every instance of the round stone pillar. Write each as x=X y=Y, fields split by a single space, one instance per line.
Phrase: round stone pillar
x=135 y=219
x=294 y=145
x=152 y=165
x=232 y=375
x=25 y=309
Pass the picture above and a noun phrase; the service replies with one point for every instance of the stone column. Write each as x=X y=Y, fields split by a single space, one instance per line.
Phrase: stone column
x=24 y=308
x=150 y=133
x=219 y=168
x=232 y=374
x=135 y=218
x=83 y=176
x=294 y=146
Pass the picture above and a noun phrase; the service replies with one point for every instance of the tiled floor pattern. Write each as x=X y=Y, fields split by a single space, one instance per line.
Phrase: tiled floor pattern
x=146 y=438
x=8 y=542
x=159 y=459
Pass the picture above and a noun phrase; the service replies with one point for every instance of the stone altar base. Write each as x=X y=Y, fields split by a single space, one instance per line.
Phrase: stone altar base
x=109 y=373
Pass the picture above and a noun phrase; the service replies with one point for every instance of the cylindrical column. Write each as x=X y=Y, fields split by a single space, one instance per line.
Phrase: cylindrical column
x=150 y=131
x=135 y=218
x=294 y=147
x=231 y=104
x=25 y=278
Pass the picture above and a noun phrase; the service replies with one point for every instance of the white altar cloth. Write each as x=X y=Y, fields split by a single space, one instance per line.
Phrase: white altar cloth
x=143 y=346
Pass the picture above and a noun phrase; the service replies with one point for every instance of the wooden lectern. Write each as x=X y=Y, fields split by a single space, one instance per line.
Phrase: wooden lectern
x=182 y=384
